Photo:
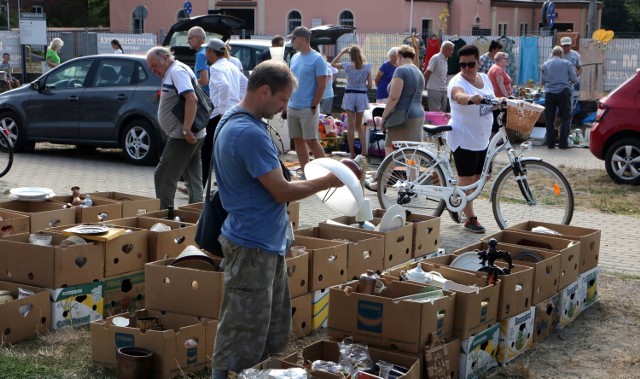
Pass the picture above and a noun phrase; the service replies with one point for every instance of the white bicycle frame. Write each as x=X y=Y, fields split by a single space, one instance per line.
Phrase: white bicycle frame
x=454 y=196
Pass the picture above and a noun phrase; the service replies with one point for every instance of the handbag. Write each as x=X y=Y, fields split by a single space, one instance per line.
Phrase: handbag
x=397 y=117
x=213 y=213
x=203 y=111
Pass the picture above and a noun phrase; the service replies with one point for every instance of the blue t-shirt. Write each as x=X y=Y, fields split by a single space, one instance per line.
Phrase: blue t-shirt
x=255 y=219
x=306 y=67
x=201 y=64
x=387 y=70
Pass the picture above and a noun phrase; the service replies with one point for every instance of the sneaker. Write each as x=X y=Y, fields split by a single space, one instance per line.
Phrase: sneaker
x=472 y=225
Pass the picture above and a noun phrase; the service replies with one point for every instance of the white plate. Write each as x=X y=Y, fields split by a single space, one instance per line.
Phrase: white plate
x=467 y=261
x=347 y=199
x=32 y=193
x=393 y=218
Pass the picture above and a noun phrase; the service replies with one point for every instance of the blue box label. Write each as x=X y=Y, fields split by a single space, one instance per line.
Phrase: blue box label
x=370 y=316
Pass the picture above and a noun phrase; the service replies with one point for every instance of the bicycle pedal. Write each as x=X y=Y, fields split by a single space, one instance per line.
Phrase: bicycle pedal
x=455 y=216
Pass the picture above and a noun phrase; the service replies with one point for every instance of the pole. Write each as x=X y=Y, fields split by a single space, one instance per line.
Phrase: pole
x=593 y=9
x=411 y=18
x=8 y=16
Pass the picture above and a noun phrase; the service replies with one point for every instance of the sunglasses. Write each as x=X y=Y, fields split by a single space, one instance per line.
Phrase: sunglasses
x=467 y=64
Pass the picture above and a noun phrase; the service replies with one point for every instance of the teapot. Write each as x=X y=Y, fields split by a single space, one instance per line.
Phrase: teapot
x=418 y=275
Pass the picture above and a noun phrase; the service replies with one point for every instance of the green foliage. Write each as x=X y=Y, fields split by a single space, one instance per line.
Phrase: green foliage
x=98 y=12
x=621 y=16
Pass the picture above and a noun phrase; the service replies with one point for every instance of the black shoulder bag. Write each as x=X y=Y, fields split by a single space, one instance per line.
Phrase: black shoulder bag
x=213 y=213
x=203 y=111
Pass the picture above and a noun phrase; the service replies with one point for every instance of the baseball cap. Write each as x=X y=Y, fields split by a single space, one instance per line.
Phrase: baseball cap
x=565 y=41
x=215 y=44
x=300 y=31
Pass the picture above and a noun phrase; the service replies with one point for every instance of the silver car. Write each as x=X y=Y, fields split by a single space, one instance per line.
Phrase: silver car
x=93 y=101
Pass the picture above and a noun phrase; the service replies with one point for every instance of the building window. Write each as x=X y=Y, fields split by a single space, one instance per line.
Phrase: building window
x=524 y=29
x=502 y=29
x=346 y=18
x=37 y=9
x=294 y=19
x=137 y=23
x=427 y=28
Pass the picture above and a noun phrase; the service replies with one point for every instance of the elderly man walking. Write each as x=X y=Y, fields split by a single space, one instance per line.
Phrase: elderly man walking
x=181 y=154
x=310 y=69
x=435 y=75
x=558 y=76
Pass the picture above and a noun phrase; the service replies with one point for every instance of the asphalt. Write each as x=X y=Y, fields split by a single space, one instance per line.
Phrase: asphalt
x=62 y=168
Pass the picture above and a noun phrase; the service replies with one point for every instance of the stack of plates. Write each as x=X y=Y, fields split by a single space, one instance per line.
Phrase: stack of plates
x=32 y=193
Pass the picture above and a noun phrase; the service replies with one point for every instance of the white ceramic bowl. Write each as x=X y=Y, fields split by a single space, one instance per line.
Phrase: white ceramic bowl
x=347 y=199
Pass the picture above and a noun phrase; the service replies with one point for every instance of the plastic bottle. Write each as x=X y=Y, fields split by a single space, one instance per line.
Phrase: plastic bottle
x=87 y=202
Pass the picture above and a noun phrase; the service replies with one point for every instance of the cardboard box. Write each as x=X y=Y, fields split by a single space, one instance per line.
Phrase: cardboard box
x=13 y=223
x=453 y=353
x=186 y=344
x=547 y=313
x=319 y=308
x=474 y=311
x=181 y=215
x=398 y=243
x=42 y=215
x=570 y=300
x=108 y=209
x=293 y=210
x=589 y=283
x=479 y=353
x=568 y=249
x=440 y=252
x=327 y=261
x=301 y=315
x=589 y=240
x=123 y=293
x=24 y=318
x=365 y=251
x=131 y=205
x=76 y=305
x=516 y=335
x=329 y=351
x=166 y=244
x=183 y=290
x=516 y=291
x=193 y=207
x=298 y=274
x=52 y=266
x=426 y=232
x=384 y=322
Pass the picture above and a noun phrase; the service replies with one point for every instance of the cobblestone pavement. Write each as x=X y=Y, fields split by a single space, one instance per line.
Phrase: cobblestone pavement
x=61 y=168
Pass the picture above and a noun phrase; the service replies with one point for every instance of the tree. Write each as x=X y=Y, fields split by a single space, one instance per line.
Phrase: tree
x=621 y=16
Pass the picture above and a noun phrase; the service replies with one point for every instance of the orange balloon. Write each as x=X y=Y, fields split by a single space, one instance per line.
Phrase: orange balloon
x=599 y=34
x=608 y=36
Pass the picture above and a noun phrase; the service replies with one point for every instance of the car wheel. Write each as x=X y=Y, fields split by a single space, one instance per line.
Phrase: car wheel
x=10 y=122
x=623 y=161
x=140 y=143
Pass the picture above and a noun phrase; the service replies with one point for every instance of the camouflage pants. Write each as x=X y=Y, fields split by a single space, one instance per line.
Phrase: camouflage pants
x=255 y=318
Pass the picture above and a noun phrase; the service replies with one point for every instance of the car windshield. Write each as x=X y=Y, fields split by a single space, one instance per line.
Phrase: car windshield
x=180 y=38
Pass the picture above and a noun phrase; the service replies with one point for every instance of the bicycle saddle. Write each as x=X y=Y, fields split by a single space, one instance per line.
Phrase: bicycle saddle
x=431 y=129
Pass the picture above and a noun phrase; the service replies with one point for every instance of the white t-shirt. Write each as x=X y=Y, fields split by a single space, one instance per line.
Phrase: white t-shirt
x=471 y=123
x=117 y=51
x=227 y=86
x=176 y=82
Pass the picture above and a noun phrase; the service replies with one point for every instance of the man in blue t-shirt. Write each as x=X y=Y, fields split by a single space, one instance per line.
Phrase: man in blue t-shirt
x=196 y=38
x=302 y=111
x=255 y=318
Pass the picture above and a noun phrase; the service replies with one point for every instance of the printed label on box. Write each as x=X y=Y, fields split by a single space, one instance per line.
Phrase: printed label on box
x=370 y=316
x=516 y=335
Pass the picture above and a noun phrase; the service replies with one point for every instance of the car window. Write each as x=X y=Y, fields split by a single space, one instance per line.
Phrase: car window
x=180 y=38
x=142 y=74
x=73 y=75
x=248 y=56
x=114 y=73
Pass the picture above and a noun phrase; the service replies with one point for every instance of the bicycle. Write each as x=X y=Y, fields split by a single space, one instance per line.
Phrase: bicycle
x=424 y=181
x=6 y=151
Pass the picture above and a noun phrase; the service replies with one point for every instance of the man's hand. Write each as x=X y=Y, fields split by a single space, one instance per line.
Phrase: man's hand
x=190 y=137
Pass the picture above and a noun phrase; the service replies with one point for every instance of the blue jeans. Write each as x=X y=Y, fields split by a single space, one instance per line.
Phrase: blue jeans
x=179 y=157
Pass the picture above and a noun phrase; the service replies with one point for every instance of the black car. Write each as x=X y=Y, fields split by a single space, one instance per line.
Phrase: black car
x=215 y=25
x=92 y=101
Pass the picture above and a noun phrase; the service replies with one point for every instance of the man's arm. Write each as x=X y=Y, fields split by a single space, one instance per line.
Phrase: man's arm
x=321 y=83
x=284 y=191
x=202 y=69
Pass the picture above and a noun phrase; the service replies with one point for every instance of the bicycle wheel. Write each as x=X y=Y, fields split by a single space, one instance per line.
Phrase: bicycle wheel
x=549 y=188
x=402 y=173
x=6 y=154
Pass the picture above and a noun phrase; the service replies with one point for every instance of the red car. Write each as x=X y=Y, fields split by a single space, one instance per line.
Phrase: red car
x=615 y=136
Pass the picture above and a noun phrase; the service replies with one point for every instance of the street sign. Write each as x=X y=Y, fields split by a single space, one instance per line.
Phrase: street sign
x=187 y=8
x=551 y=15
x=140 y=12
x=33 y=29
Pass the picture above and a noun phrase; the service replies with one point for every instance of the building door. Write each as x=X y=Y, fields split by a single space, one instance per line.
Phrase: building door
x=245 y=14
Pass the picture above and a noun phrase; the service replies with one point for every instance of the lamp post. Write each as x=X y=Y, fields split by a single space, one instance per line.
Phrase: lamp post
x=411 y=18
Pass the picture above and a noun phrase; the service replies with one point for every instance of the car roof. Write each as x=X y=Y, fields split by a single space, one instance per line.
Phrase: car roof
x=213 y=23
x=251 y=42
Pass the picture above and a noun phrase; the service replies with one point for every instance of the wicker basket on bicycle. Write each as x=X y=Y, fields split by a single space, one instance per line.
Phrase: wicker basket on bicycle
x=521 y=117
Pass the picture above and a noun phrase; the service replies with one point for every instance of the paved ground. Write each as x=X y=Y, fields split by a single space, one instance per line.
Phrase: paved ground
x=61 y=168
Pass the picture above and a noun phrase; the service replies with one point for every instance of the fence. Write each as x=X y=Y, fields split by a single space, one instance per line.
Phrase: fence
x=611 y=64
